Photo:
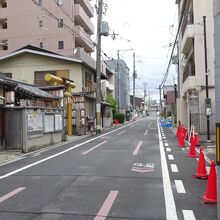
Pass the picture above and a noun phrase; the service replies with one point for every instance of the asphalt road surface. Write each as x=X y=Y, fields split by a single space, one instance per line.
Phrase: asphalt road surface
x=135 y=172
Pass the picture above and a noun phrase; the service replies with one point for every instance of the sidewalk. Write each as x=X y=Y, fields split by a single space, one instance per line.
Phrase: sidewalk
x=10 y=156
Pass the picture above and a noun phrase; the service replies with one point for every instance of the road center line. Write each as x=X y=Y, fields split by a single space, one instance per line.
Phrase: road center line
x=62 y=152
x=103 y=212
x=179 y=186
x=168 y=193
x=145 y=132
x=12 y=193
x=188 y=214
x=137 y=147
x=121 y=132
x=174 y=168
x=86 y=152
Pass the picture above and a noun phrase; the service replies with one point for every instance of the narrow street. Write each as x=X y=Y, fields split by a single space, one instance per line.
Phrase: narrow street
x=136 y=171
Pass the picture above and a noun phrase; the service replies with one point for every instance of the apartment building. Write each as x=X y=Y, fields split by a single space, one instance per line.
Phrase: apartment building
x=122 y=83
x=60 y=26
x=191 y=107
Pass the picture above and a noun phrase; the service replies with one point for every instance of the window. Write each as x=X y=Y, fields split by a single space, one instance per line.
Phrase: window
x=60 y=23
x=60 y=2
x=40 y=2
x=60 y=45
x=4 y=45
x=9 y=75
x=41 y=45
x=3 y=4
x=40 y=23
x=4 y=23
x=39 y=77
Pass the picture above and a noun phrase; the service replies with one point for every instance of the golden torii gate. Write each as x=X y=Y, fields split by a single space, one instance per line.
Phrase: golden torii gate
x=55 y=80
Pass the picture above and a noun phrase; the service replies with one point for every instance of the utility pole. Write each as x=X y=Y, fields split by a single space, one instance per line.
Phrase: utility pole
x=206 y=77
x=160 y=99
x=118 y=83
x=98 y=67
x=134 y=76
x=145 y=109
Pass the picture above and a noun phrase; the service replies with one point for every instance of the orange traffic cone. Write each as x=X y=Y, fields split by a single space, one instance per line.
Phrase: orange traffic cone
x=201 y=169
x=211 y=188
x=181 y=141
x=192 y=149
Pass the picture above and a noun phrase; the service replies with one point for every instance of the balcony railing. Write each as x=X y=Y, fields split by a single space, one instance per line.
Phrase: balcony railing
x=86 y=6
x=84 y=40
x=188 y=19
x=188 y=71
x=82 y=19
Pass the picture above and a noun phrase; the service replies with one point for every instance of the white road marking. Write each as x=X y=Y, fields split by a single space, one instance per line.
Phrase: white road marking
x=170 y=156
x=91 y=149
x=164 y=141
x=166 y=145
x=164 y=137
x=60 y=153
x=168 y=193
x=188 y=215
x=174 y=168
x=179 y=186
x=168 y=149
x=137 y=148
x=145 y=132
x=121 y=132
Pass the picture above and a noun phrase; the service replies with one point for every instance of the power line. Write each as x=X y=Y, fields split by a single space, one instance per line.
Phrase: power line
x=66 y=27
x=170 y=60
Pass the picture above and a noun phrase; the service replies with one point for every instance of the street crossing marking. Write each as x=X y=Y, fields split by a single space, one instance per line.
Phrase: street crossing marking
x=86 y=152
x=121 y=132
x=168 y=193
x=137 y=147
x=188 y=215
x=12 y=193
x=103 y=212
x=179 y=186
x=168 y=149
x=174 y=168
x=170 y=156
x=166 y=144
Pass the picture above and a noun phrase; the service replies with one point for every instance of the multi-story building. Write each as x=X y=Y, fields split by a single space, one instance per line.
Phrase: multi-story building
x=122 y=83
x=192 y=72
x=60 y=26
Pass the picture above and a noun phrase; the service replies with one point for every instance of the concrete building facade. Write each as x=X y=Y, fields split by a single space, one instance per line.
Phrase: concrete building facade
x=60 y=26
x=122 y=83
x=192 y=77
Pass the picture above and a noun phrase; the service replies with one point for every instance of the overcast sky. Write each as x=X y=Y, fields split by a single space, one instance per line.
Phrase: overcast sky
x=147 y=27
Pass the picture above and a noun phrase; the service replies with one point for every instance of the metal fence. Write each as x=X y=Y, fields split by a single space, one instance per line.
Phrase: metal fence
x=200 y=123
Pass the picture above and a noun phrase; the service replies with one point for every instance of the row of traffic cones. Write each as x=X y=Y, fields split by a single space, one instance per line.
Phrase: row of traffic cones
x=210 y=195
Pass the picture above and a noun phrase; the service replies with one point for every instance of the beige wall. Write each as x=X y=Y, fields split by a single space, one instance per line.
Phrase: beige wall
x=23 y=67
x=200 y=8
